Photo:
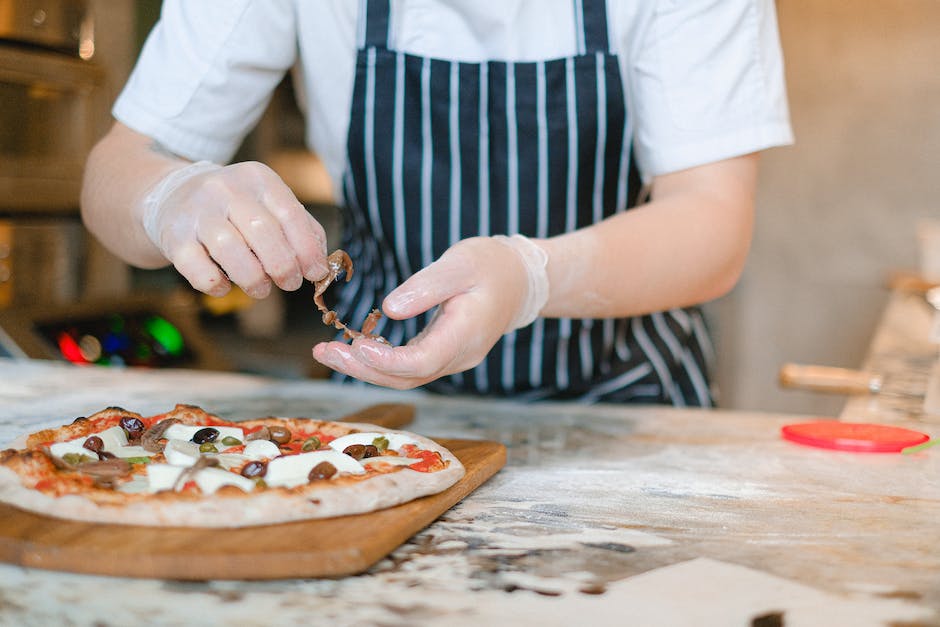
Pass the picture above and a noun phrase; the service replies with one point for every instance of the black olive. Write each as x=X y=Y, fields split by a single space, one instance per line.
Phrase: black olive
x=371 y=451
x=93 y=443
x=254 y=469
x=133 y=426
x=279 y=435
x=207 y=434
x=356 y=451
x=323 y=470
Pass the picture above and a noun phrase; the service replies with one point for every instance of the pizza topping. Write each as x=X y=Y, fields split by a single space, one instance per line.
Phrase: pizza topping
x=261 y=449
x=181 y=453
x=134 y=427
x=110 y=439
x=323 y=470
x=208 y=434
x=105 y=472
x=254 y=468
x=211 y=479
x=380 y=443
x=208 y=447
x=338 y=262
x=128 y=452
x=292 y=470
x=74 y=459
x=310 y=444
x=279 y=435
x=162 y=477
x=150 y=440
x=188 y=432
x=94 y=444
x=231 y=441
x=394 y=441
x=260 y=434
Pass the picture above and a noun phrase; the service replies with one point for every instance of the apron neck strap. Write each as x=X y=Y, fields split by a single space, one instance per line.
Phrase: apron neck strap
x=590 y=20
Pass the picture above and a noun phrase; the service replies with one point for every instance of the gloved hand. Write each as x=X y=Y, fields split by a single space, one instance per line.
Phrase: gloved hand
x=236 y=224
x=483 y=287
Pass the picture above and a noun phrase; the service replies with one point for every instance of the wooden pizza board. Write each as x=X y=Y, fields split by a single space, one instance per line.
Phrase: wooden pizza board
x=332 y=547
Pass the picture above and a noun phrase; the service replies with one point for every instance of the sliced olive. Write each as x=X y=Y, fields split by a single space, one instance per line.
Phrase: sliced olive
x=279 y=435
x=356 y=451
x=231 y=440
x=208 y=447
x=323 y=470
x=73 y=459
x=380 y=443
x=254 y=468
x=311 y=444
x=207 y=434
x=93 y=443
x=133 y=426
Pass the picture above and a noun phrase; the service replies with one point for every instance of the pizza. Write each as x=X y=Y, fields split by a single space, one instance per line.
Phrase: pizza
x=190 y=468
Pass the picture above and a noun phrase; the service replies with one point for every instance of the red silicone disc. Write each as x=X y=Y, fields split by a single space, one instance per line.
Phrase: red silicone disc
x=853 y=436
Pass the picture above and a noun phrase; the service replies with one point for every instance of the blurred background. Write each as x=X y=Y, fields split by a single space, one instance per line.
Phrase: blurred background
x=838 y=212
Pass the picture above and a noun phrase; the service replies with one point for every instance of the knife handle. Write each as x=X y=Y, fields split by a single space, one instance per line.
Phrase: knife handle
x=829 y=379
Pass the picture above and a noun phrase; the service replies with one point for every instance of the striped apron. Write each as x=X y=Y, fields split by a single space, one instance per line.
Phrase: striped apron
x=443 y=150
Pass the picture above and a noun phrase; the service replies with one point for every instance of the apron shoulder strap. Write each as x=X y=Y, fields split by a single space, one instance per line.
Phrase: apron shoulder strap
x=374 y=29
x=590 y=25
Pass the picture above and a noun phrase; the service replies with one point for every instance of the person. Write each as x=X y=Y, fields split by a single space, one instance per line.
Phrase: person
x=539 y=194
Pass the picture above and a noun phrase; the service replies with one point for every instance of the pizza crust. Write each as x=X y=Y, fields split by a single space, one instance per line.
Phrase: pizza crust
x=233 y=508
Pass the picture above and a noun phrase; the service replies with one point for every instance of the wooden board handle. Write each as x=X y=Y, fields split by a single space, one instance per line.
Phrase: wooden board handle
x=388 y=415
x=829 y=379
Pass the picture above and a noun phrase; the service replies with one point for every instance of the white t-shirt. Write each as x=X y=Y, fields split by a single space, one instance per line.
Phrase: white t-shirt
x=704 y=78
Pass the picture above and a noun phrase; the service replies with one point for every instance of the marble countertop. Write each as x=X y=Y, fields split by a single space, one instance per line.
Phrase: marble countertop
x=604 y=515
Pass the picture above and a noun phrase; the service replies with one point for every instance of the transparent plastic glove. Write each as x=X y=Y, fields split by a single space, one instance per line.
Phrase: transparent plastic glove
x=482 y=287
x=236 y=224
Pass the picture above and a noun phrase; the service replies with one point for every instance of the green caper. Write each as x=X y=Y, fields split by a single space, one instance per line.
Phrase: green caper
x=311 y=444
x=260 y=483
x=381 y=443
x=208 y=447
x=231 y=440
x=74 y=459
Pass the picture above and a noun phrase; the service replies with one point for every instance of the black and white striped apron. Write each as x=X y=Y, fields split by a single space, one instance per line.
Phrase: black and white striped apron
x=444 y=150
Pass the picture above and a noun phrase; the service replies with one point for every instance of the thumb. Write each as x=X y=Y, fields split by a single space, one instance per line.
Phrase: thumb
x=429 y=287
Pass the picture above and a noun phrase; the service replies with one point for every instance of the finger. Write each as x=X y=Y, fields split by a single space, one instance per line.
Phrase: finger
x=225 y=245
x=339 y=357
x=429 y=287
x=193 y=262
x=304 y=234
x=263 y=235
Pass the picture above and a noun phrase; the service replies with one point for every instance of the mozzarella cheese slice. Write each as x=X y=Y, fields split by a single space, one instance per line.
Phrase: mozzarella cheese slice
x=292 y=470
x=162 y=476
x=130 y=451
x=186 y=432
x=113 y=439
x=261 y=449
x=211 y=479
x=181 y=452
x=395 y=440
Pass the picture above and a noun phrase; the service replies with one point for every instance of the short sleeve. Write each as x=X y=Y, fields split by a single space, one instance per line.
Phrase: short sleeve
x=207 y=72
x=705 y=80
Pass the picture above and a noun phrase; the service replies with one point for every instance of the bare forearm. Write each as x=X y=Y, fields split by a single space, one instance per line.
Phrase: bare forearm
x=688 y=245
x=120 y=170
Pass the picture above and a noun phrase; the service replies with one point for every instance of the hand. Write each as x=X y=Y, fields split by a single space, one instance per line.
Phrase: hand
x=237 y=224
x=483 y=287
